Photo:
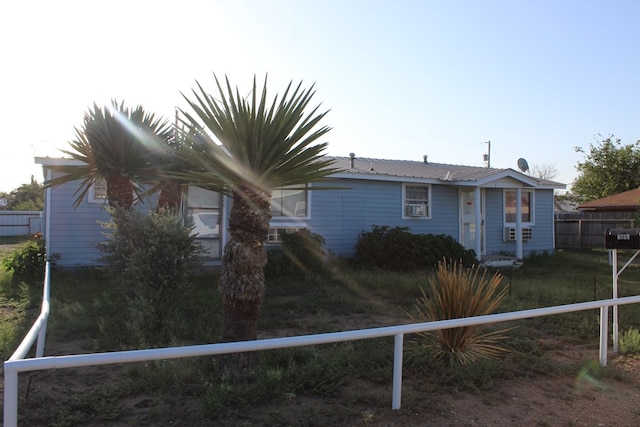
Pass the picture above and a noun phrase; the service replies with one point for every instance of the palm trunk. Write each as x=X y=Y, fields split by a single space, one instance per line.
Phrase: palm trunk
x=242 y=276
x=119 y=192
x=170 y=196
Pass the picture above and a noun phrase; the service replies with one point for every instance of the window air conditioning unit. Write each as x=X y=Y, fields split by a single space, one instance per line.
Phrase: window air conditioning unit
x=510 y=234
x=417 y=210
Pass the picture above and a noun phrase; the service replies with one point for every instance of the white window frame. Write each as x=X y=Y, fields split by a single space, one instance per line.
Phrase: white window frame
x=277 y=230
x=304 y=205
x=91 y=194
x=532 y=210
x=406 y=202
x=215 y=240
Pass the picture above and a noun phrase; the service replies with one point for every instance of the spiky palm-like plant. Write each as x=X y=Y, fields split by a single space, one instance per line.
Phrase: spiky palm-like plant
x=246 y=148
x=120 y=145
x=457 y=292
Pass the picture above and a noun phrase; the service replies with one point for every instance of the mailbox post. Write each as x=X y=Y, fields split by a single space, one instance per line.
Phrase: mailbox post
x=620 y=238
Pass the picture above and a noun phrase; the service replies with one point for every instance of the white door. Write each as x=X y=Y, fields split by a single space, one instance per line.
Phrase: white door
x=470 y=232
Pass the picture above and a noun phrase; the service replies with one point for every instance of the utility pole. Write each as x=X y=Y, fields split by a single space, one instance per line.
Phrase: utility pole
x=487 y=157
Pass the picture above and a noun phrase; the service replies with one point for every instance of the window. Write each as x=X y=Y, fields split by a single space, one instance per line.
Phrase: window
x=204 y=207
x=287 y=201
x=510 y=206
x=416 y=201
x=275 y=233
x=98 y=191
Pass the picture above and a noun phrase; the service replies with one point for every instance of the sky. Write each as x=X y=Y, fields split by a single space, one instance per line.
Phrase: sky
x=401 y=78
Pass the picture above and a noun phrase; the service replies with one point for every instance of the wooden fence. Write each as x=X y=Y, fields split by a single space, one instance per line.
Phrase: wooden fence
x=587 y=229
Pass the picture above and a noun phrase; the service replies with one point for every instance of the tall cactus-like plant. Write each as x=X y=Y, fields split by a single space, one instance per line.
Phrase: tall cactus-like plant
x=456 y=292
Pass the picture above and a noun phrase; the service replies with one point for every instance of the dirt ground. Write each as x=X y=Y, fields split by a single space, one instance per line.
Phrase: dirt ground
x=575 y=400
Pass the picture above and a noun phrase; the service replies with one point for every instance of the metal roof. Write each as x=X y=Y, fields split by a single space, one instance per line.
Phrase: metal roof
x=433 y=171
x=368 y=168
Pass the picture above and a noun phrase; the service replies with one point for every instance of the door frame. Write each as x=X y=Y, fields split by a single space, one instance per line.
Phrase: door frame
x=482 y=228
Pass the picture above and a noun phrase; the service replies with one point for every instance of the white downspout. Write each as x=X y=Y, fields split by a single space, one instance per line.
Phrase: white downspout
x=47 y=214
x=478 y=224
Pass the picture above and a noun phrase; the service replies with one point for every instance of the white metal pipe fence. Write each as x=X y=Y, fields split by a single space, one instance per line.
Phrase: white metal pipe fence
x=39 y=328
x=18 y=364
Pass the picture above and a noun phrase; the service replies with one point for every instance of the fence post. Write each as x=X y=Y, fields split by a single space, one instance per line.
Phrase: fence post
x=46 y=298
x=10 y=396
x=604 y=333
x=398 y=343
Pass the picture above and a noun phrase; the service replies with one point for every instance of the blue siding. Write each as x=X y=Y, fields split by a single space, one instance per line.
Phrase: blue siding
x=339 y=216
x=74 y=232
x=542 y=238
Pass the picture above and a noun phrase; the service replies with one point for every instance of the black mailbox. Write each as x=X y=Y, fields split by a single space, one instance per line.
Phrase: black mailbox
x=622 y=238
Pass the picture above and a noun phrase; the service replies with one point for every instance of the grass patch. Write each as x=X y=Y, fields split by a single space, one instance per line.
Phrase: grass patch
x=11 y=243
x=13 y=240
x=19 y=307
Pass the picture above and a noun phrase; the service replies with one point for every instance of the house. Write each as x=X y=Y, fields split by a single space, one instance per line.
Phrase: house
x=493 y=211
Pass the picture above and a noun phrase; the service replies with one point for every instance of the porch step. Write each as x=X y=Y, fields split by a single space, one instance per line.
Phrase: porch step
x=500 y=261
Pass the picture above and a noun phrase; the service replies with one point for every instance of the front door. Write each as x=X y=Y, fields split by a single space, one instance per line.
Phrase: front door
x=472 y=230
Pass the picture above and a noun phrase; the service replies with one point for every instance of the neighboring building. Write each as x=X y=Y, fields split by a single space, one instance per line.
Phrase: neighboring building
x=586 y=227
x=565 y=203
x=627 y=201
x=20 y=223
x=493 y=211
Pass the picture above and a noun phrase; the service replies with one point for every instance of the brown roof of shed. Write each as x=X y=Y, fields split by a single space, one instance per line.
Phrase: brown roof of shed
x=625 y=201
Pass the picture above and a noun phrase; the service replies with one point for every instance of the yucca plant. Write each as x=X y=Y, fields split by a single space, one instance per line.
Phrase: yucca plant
x=457 y=292
x=124 y=146
x=246 y=148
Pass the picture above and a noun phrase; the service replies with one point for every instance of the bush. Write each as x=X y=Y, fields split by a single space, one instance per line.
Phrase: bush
x=399 y=250
x=301 y=253
x=630 y=342
x=28 y=262
x=152 y=255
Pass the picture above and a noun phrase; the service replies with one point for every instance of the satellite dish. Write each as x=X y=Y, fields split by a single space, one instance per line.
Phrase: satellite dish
x=523 y=165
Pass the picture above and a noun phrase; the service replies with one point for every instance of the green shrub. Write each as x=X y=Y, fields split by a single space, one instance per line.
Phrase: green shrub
x=399 y=250
x=28 y=262
x=630 y=342
x=302 y=253
x=152 y=255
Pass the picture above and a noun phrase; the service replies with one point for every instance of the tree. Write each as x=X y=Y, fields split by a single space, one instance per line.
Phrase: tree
x=609 y=168
x=259 y=146
x=545 y=171
x=120 y=145
x=27 y=197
